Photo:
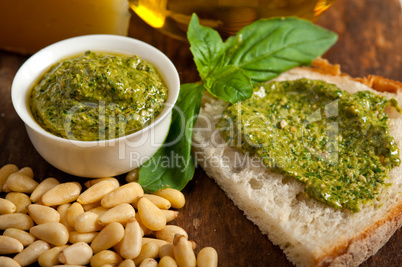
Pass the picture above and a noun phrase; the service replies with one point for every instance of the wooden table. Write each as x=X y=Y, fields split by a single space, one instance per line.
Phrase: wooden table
x=370 y=42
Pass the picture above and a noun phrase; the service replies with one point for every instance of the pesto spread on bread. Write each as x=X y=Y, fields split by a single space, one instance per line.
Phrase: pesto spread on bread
x=334 y=142
x=98 y=96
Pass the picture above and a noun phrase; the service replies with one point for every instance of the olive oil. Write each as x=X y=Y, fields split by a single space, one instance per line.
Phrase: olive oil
x=226 y=16
x=27 y=26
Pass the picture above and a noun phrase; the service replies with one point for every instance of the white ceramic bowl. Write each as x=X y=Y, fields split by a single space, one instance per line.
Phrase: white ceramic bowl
x=95 y=158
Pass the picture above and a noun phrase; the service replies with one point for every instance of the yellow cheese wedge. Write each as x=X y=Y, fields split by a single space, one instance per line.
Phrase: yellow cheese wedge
x=29 y=25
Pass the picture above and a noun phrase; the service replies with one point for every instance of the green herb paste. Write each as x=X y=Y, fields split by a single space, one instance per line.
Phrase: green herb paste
x=98 y=97
x=336 y=143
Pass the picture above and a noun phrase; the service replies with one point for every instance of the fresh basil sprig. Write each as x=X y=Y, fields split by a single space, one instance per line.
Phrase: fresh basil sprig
x=228 y=70
x=259 y=52
x=173 y=165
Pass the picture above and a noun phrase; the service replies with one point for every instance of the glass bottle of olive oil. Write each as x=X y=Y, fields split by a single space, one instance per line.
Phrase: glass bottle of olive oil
x=226 y=16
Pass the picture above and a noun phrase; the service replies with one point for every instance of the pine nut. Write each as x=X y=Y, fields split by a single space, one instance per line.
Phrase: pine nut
x=24 y=237
x=31 y=253
x=167 y=261
x=15 y=220
x=91 y=206
x=170 y=215
x=42 y=188
x=175 y=197
x=145 y=230
x=166 y=250
x=10 y=245
x=62 y=210
x=160 y=202
x=158 y=242
x=27 y=171
x=105 y=258
x=127 y=193
x=6 y=206
x=116 y=248
x=151 y=216
x=120 y=213
x=61 y=194
x=132 y=176
x=92 y=182
x=8 y=262
x=99 y=210
x=130 y=245
x=87 y=222
x=73 y=212
x=207 y=257
x=193 y=244
x=19 y=182
x=183 y=251
x=20 y=200
x=72 y=265
x=149 y=262
x=108 y=237
x=77 y=254
x=6 y=171
x=127 y=263
x=105 y=207
x=76 y=237
x=96 y=192
x=52 y=232
x=169 y=231
x=49 y=257
x=43 y=214
x=148 y=250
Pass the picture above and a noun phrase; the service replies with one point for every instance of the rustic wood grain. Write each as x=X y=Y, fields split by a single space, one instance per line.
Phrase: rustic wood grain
x=370 y=42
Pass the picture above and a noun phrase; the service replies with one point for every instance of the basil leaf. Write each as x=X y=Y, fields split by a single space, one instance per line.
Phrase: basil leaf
x=260 y=51
x=206 y=46
x=230 y=84
x=268 y=47
x=173 y=165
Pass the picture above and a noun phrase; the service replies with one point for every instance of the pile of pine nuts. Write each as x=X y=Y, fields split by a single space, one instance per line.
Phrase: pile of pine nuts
x=107 y=224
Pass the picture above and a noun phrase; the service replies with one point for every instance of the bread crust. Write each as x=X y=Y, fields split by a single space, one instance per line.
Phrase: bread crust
x=376 y=82
x=381 y=84
x=346 y=252
x=365 y=245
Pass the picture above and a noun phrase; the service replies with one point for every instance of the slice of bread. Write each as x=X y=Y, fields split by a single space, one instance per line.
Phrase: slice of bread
x=309 y=232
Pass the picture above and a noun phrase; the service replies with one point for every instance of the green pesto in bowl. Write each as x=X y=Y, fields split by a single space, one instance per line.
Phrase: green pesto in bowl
x=98 y=96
